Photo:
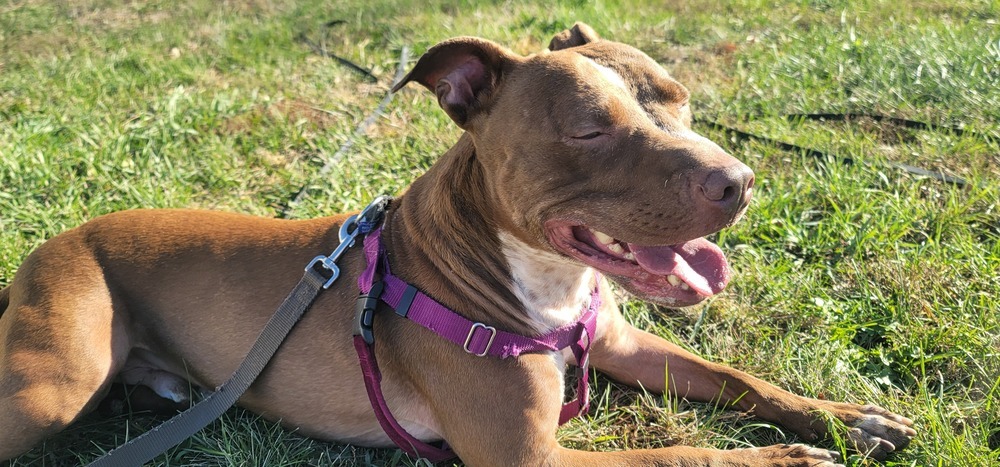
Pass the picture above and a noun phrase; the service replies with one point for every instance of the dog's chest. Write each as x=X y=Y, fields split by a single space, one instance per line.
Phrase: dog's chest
x=553 y=289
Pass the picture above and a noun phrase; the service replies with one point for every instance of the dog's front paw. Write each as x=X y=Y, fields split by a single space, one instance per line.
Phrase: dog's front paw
x=870 y=430
x=790 y=455
x=875 y=431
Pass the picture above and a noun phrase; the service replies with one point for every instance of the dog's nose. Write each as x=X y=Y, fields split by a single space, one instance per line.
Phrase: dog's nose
x=728 y=188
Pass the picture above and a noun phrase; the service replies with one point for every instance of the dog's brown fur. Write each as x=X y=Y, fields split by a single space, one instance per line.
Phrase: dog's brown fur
x=166 y=297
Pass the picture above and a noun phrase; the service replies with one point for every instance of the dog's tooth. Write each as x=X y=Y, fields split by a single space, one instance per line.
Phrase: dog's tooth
x=629 y=256
x=674 y=280
x=616 y=247
x=685 y=286
x=603 y=237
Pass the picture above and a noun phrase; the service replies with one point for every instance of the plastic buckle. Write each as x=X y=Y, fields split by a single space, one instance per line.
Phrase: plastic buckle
x=328 y=264
x=472 y=330
x=364 y=312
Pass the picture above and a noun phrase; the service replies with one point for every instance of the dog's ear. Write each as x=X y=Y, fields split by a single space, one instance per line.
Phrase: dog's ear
x=579 y=34
x=463 y=72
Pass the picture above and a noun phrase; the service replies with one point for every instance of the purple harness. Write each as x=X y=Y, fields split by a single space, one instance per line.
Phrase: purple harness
x=477 y=339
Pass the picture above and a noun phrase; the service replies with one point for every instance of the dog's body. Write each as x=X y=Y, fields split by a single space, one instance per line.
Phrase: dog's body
x=506 y=229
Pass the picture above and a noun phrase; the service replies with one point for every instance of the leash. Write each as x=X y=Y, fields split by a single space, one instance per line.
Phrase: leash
x=475 y=338
x=743 y=136
x=319 y=275
x=360 y=130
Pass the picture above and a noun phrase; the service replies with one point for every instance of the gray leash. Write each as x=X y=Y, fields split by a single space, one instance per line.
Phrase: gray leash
x=148 y=445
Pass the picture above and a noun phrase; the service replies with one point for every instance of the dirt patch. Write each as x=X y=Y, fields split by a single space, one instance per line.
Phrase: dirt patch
x=291 y=111
x=253 y=7
x=295 y=111
x=698 y=68
x=127 y=16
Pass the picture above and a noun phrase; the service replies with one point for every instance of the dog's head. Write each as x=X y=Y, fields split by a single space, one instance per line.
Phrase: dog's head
x=589 y=152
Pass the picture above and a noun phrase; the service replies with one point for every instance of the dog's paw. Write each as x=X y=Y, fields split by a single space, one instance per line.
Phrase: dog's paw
x=870 y=430
x=792 y=455
x=875 y=431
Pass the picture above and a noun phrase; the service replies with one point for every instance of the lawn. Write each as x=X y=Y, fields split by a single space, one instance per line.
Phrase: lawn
x=856 y=282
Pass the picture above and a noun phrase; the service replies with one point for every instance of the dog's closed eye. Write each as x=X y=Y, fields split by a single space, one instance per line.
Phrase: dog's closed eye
x=591 y=135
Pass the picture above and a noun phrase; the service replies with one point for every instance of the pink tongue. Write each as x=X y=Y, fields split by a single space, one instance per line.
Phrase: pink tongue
x=699 y=263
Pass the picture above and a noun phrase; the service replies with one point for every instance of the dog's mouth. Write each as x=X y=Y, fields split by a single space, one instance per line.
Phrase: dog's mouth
x=680 y=275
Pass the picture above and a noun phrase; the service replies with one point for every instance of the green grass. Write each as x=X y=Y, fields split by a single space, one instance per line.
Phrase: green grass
x=857 y=283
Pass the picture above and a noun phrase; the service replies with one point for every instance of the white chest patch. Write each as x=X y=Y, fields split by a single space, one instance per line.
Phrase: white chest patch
x=552 y=288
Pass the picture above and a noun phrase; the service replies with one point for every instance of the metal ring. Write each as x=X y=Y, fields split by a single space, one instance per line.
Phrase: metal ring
x=472 y=330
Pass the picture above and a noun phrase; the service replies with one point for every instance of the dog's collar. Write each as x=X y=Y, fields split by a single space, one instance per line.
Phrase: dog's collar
x=475 y=338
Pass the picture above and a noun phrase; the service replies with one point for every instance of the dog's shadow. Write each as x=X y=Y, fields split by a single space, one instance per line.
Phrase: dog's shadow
x=238 y=437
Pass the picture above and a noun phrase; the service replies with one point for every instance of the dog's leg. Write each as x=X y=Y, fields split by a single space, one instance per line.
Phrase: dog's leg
x=56 y=345
x=789 y=455
x=514 y=421
x=635 y=357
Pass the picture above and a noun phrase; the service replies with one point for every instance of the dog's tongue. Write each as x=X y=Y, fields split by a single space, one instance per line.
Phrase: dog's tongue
x=699 y=263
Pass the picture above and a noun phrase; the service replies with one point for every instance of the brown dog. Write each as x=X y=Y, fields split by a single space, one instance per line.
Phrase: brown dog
x=574 y=160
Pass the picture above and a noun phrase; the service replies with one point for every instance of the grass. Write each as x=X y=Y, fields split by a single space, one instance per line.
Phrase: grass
x=858 y=283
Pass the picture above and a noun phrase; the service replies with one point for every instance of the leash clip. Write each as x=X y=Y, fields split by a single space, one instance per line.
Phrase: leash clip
x=365 y=221
x=328 y=263
x=358 y=224
x=364 y=312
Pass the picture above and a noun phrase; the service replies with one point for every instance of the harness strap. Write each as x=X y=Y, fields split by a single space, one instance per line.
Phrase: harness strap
x=398 y=435
x=475 y=338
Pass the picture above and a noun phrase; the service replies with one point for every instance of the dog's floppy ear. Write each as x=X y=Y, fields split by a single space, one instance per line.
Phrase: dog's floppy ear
x=463 y=72
x=579 y=34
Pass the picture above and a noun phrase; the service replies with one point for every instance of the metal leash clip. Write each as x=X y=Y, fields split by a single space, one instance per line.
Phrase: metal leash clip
x=358 y=224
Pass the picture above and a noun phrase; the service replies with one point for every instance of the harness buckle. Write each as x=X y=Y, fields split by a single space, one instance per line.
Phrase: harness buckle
x=472 y=330
x=329 y=264
x=364 y=312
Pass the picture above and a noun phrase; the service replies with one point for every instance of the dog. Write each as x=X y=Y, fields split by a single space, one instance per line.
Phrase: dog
x=577 y=167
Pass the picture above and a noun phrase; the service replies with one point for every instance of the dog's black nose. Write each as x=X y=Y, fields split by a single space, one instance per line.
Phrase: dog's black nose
x=728 y=188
